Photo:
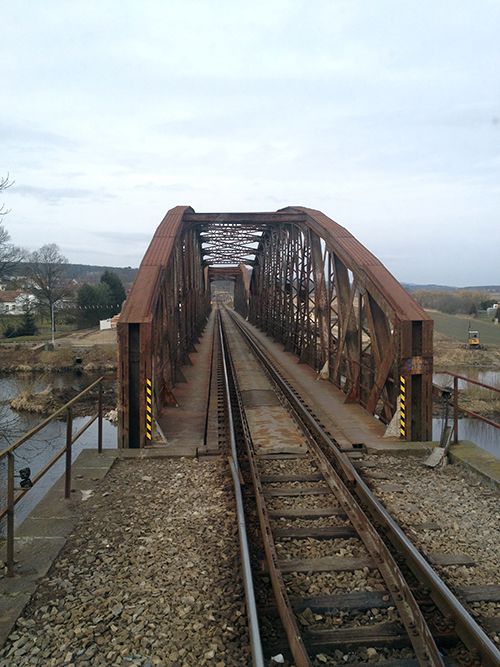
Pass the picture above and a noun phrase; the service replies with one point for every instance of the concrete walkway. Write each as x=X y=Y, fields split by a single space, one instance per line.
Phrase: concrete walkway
x=184 y=426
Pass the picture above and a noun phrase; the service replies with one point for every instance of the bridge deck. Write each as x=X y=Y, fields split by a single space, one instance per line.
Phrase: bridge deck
x=184 y=426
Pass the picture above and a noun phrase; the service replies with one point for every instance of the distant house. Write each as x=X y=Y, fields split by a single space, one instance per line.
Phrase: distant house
x=14 y=302
x=493 y=309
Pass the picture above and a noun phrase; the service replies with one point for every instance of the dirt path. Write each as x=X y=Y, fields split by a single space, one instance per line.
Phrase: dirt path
x=89 y=338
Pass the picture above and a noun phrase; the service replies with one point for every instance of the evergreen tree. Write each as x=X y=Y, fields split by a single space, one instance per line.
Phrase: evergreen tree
x=115 y=285
x=28 y=325
x=94 y=303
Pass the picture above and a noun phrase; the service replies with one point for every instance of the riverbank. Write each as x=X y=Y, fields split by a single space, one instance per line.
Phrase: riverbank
x=449 y=353
x=454 y=357
x=94 y=351
x=98 y=348
x=52 y=398
x=38 y=360
x=86 y=353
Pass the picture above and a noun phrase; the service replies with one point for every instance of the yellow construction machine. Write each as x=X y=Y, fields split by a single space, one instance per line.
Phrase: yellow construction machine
x=473 y=339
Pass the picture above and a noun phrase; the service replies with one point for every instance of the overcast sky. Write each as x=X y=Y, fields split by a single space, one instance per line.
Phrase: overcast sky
x=383 y=114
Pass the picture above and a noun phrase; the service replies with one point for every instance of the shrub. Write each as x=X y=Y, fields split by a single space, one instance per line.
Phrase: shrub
x=28 y=326
x=9 y=331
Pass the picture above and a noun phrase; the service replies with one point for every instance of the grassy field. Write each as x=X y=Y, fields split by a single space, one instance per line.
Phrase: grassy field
x=456 y=326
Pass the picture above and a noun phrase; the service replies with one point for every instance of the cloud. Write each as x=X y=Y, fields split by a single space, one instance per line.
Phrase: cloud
x=31 y=134
x=380 y=114
x=125 y=238
x=58 y=195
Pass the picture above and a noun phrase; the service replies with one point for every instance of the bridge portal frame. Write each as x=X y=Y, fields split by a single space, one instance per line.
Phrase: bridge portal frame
x=314 y=288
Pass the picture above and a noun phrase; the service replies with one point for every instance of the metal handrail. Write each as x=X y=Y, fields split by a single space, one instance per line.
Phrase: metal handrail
x=8 y=452
x=457 y=408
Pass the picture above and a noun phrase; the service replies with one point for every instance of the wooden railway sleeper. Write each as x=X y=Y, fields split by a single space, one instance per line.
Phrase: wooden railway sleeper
x=418 y=631
x=470 y=633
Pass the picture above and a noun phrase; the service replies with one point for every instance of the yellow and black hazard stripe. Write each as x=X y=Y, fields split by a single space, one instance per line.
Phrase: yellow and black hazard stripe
x=149 y=410
x=402 y=407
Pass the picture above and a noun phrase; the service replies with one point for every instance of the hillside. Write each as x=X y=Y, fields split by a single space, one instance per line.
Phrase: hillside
x=87 y=273
x=92 y=274
x=456 y=328
x=413 y=287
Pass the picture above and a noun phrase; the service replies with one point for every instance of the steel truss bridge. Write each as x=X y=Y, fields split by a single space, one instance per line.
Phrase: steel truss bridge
x=300 y=277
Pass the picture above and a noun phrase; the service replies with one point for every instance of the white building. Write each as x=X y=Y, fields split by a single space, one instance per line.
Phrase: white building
x=14 y=302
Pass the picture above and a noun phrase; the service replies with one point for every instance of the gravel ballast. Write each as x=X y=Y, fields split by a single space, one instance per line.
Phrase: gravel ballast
x=446 y=510
x=150 y=576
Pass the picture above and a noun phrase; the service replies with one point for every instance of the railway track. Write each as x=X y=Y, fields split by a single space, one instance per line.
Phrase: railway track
x=338 y=584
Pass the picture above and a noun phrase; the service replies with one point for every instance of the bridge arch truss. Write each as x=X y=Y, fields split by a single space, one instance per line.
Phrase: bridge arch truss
x=298 y=276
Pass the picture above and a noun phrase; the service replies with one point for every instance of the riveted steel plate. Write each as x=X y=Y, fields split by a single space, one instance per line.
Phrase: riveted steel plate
x=258 y=398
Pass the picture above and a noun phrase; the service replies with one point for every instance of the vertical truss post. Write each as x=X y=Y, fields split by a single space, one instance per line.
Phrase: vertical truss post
x=320 y=298
x=348 y=335
x=416 y=368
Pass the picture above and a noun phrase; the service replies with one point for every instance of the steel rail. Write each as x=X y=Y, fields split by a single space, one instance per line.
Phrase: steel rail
x=472 y=635
x=232 y=436
x=255 y=641
x=300 y=655
x=416 y=627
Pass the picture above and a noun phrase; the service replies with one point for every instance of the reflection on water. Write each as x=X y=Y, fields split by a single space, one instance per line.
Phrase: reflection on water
x=44 y=445
x=485 y=436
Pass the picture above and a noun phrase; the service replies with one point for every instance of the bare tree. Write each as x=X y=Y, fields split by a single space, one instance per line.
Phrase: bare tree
x=10 y=255
x=4 y=184
x=47 y=274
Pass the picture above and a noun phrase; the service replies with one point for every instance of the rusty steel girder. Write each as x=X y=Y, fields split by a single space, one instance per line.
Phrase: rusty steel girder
x=163 y=315
x=318 y=291
x=313 y=287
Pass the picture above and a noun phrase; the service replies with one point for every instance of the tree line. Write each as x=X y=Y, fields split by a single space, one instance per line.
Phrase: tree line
x=49 y=292
x=454 y=302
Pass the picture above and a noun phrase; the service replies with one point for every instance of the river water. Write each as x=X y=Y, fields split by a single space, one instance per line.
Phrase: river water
x=485 y=436
x=40 y=449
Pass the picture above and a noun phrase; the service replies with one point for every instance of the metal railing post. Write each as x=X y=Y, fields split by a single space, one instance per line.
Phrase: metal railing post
x=69 y=437
x=455 y=410
x=99 y=420
x=10 y=514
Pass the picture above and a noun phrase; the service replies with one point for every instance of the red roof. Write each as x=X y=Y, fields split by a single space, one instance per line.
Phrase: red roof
x=9 y=296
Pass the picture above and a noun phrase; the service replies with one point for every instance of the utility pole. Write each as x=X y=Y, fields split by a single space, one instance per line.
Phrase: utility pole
x=52 y=322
